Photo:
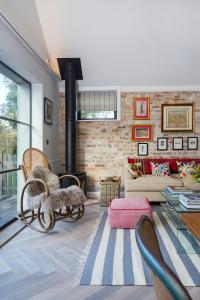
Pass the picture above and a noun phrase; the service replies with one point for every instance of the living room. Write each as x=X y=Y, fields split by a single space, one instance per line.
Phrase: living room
x=104 y=94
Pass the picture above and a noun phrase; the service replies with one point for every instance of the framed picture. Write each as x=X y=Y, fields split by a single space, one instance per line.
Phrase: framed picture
x=48 y=111
x=192 y=143
x=177 y=117
x=142 y=132
x=141 y=108
x=162 y=144
x=177 y=143
x=142 y=149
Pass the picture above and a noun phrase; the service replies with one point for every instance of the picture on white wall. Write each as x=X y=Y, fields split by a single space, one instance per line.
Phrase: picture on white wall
x=48 y=111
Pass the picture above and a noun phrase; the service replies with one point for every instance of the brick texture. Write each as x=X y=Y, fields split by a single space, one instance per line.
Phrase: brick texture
x=103 y=147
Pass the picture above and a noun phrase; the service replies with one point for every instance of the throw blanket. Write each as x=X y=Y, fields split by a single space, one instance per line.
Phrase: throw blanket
x=58 y=198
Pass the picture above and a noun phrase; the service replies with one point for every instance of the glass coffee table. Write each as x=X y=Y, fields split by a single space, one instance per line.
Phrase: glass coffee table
x=186 y=241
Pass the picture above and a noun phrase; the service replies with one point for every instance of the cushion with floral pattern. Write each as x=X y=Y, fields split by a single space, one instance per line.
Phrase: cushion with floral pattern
x=135 y=169
x=186 y=169
x=160 y=169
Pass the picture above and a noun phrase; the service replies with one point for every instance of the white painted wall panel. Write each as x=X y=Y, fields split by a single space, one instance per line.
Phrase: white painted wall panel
x=19 y=58
x=22 y=14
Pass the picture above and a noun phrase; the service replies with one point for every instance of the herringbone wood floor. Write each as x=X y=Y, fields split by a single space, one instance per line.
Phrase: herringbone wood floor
x=43 y=266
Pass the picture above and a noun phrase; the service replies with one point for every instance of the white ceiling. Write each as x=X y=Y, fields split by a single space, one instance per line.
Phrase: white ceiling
x=124 y=42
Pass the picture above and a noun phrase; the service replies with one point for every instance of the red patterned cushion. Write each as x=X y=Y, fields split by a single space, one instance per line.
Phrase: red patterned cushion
x=131 y=160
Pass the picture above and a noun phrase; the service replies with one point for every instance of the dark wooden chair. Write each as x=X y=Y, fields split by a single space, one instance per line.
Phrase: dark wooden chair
x=33 y=157
x=167 y=285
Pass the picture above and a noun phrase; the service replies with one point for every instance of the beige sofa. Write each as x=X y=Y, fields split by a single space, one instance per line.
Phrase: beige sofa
x=152 y=186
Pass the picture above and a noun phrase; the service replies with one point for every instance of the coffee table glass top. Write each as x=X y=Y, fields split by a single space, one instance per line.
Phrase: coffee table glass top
x=175 y=210
x=173 y=201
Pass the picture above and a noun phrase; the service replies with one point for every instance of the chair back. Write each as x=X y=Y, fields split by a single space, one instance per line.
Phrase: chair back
x=31 y=158
x=166 y=283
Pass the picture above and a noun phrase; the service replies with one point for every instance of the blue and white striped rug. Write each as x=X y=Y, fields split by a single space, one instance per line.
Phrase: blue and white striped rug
x=113 y=257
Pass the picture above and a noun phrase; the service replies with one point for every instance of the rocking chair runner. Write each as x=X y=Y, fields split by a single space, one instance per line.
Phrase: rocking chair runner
x=33 y=157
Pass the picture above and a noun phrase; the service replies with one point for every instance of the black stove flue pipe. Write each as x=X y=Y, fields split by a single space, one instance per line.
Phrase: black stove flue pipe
x=70 y=118
x=70 y=71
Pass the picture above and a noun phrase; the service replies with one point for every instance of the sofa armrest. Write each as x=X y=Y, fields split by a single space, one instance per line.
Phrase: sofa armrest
x=127 y=174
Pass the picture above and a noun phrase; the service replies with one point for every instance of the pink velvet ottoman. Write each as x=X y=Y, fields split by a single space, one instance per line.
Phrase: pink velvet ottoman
x=125 y=212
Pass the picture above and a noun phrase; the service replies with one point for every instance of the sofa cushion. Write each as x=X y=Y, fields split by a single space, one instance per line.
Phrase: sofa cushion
x=160 y=169
x=135 y=169
x=172 y=163
x=152 y=183
x=186 y=169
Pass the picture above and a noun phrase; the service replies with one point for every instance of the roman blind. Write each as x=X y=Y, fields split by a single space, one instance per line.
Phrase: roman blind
x=97 y=101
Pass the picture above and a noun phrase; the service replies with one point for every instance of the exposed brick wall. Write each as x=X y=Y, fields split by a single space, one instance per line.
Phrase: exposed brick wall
x=103 y=147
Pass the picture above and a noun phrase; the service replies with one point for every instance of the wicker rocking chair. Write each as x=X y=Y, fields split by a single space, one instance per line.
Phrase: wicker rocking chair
x=33 y=158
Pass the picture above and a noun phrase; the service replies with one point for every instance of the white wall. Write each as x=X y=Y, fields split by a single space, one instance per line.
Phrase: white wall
x=23 y=15
x=17 y=56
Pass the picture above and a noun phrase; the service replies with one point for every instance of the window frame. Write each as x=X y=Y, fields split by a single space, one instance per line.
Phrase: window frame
x=16 y=121
x=96 y=119
x=11 y=71
x=117 y=113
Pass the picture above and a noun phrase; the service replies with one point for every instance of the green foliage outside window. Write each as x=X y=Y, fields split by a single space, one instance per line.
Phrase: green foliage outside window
x=85 y=115
x=8 y=109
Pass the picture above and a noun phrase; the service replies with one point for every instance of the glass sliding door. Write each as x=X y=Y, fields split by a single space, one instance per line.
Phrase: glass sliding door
x=15 y=137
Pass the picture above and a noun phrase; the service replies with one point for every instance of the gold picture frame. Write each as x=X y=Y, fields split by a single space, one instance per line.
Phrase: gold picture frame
x=177 y=117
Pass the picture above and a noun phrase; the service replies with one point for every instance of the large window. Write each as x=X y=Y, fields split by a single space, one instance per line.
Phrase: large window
x=15 y=137
x=97 y=105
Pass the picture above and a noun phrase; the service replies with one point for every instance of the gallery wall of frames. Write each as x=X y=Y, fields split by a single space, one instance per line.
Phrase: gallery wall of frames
x=148 y=125
x=175 y=118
